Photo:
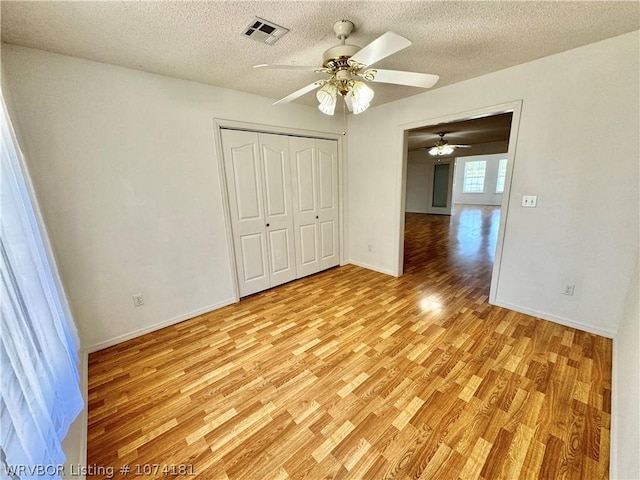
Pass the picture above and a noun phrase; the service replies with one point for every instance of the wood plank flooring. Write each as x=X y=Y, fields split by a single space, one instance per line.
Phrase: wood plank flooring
x=351 y=374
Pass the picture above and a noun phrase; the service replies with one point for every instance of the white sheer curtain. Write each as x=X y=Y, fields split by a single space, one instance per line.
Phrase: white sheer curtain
x=40 y=394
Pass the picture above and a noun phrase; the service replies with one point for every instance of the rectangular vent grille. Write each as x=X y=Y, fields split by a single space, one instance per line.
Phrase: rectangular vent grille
x=264 y=31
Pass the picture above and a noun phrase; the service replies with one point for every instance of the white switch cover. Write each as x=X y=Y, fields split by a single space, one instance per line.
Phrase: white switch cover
x=138 y=300
x=568 y=289
x=529 y=200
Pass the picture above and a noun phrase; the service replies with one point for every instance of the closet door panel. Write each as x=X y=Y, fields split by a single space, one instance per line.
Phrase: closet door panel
x=327 y=240
x=281 y=251
x=306 y=180
x=253 y=261
x=327 y=172
x=278 y=206
x=245 y=176
x=308 y=246
x=274 y=175
x=328 y=212
x=305 y=200
x=244 y=182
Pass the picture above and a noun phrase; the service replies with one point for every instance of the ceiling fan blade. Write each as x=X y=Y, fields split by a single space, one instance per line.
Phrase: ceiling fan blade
x=298 y=93
x=286 y=67
x=414 y=79
x=383 y=46
x=448 y=145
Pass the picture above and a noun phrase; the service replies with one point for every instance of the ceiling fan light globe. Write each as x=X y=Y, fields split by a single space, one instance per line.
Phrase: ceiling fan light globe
x=327 y=99
x=328 y=108
x=361 y=96
x=441 y=150
x=359 y=108
x=361 y=92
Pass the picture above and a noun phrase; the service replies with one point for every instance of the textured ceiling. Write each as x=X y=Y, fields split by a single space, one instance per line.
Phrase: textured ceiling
x=485 y=135
x=202 y=41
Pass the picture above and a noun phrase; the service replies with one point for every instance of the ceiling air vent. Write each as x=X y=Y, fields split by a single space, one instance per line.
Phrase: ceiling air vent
x=264 y=31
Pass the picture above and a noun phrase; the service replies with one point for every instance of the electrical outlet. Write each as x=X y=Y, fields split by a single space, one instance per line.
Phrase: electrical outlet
x=529 y=200
x=138 y=300
x=568 y=289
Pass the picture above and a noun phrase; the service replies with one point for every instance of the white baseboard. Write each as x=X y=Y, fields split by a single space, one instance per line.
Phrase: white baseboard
x=157 y=326
x=371 y=267
x=75 y=443
x=556 y=319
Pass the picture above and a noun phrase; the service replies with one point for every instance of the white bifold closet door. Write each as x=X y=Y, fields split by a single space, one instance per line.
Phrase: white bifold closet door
x=258 y=175
x=314 y=171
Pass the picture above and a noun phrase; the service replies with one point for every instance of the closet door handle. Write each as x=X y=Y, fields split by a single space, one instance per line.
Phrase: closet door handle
x=267 y=224
x=316 y=217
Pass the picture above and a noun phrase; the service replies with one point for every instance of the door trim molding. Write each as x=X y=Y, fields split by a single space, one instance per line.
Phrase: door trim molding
x=222 y=123
x=515 y=107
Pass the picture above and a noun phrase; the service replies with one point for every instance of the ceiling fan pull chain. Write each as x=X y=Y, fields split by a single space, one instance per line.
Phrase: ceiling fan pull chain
x=344 y=117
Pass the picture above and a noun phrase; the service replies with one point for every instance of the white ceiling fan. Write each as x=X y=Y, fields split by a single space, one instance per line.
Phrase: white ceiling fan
x=348 y=65
x=442 y=147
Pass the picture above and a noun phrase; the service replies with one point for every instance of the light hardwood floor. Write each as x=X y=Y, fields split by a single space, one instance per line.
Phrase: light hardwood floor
x=354 y=374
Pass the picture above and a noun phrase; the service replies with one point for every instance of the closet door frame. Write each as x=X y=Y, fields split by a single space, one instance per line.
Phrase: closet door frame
x=218 y=125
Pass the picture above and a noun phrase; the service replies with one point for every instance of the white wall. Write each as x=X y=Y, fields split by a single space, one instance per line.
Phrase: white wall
x=418 y=190
x=489 y=196
x=585 y=227
x=625 y=428
x=125 y=166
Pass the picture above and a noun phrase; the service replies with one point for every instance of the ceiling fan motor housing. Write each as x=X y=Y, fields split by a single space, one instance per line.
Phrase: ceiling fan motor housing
x=336 y=57
x=339 y=54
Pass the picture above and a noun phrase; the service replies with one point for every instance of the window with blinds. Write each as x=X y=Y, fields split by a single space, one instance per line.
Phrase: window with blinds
x=474 y=173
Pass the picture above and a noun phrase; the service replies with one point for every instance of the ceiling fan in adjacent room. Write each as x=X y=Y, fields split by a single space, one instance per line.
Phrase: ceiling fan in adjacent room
x=348 y=67
x=442 y=147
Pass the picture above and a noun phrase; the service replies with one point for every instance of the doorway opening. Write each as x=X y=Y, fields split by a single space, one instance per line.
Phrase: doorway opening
x=455 y=202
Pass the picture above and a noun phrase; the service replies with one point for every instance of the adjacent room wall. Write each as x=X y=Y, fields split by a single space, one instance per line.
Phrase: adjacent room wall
x=585 y=227
x=417 y=183
x=125 y=166
x=489 y=197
